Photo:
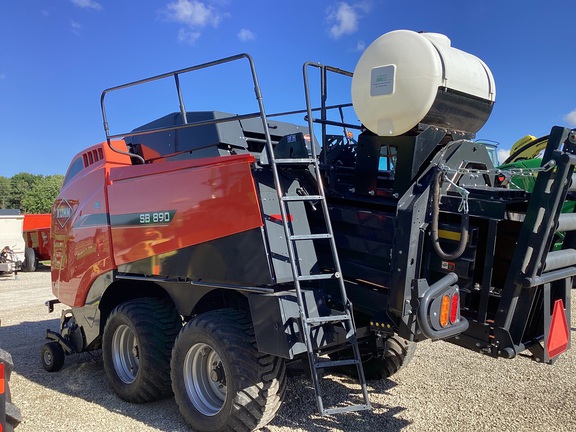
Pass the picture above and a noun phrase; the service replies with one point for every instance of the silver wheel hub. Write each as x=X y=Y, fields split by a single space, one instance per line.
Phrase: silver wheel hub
x=205 y=379
x=125 y=353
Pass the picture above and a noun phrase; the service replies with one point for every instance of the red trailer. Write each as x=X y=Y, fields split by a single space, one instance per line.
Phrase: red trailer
x=37 y=234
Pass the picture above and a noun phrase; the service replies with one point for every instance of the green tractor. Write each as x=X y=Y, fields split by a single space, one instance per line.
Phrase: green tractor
x=520 y=169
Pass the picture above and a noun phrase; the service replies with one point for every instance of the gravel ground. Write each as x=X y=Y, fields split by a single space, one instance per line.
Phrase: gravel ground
x=444 y=388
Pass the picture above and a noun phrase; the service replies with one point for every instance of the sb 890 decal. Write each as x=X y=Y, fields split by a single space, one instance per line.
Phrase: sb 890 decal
x=156 y=217
x=163 y=217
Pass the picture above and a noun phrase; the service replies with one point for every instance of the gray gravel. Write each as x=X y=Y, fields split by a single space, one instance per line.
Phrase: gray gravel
x=444 y=388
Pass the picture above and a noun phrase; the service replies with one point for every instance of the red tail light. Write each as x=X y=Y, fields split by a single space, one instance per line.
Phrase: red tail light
x=454 y=308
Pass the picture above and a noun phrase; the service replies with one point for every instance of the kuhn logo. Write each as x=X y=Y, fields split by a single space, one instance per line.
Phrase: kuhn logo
x=63 y=213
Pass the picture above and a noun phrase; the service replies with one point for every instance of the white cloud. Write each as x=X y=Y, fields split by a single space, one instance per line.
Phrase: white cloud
x=570 y=118
x=360 y=46
x=75 y=27
x=345 y=19
x=188 y=37
x=246 y=35
x=503 y=154
x=193 y=13
x=87 y=4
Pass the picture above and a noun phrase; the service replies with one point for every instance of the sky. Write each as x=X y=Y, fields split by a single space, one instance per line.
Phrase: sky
x=57 y=56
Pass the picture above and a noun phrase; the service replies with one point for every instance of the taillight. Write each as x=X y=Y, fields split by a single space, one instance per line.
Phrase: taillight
x=444 y=310
x=454 y=307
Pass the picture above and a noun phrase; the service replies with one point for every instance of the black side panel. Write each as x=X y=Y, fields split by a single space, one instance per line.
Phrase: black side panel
x=363 y=237
x=239 y=259
x=454 y=110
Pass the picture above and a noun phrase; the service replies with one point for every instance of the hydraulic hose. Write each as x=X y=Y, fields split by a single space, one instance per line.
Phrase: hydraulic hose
x=464 y=227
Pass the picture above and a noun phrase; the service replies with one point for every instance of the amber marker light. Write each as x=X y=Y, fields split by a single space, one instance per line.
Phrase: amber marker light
x=444 y=310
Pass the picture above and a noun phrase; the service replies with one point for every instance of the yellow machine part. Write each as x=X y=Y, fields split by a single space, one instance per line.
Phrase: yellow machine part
x=528 y=147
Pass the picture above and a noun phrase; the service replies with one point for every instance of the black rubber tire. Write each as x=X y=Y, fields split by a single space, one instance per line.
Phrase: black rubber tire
x=30 y=262
x=147 y=327
x=397 y=354
x=52 y=356
x=383 y=363
x=13 y=414
x=254 y=383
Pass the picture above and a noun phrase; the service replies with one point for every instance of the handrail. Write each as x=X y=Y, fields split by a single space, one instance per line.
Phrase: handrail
x=176 y=74
x=323 y=97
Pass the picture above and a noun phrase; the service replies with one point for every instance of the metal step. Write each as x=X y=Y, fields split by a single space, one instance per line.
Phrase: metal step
x=336 y=363
x=351 y=408
x=310 y=237
x=302 y=198
x=295 y=161
x=320 y=276
x=327 y=319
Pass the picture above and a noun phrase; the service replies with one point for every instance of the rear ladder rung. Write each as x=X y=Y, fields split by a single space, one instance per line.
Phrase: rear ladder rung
x=294 y=161
x=319 y=276
x=336 y=363
x=327 y=319
x=311 y=237
x=351 y=408
x=302 y=198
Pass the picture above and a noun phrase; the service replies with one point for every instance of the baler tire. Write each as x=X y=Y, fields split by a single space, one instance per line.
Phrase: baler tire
x=395 y=357
x=13 y=414
x=219 y=378
x=384 y=363
x=52 y=356
x=30 y=261
x=136 y=347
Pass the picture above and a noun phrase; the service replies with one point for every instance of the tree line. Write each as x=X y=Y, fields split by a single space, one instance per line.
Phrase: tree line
x=29 y=193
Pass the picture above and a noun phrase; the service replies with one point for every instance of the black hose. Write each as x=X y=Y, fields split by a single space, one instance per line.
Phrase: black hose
x=464 y=228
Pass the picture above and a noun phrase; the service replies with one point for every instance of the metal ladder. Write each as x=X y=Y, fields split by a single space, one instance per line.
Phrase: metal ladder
x=345 y=317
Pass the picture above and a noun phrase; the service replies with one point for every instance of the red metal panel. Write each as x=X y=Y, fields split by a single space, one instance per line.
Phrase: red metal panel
x=34 y=222
x=80 y=235
x=205 y=198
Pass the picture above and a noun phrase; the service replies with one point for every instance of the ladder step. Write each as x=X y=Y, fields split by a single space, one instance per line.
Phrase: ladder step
x=327 y=319
x=311 y=236
x=302 y=198
x=319 y=276
x=336 y=363
x=351 y=408
x=296 y=161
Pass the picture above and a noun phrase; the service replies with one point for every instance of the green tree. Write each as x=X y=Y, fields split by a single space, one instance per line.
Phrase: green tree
x=20 y=185
x=4 y=191
x=41 y=195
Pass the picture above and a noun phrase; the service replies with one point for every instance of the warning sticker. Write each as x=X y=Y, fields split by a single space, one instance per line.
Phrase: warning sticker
x=447 y=265
x=382 y=80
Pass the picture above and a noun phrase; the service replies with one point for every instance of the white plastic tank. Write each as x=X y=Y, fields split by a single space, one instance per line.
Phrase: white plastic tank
x=405 y=78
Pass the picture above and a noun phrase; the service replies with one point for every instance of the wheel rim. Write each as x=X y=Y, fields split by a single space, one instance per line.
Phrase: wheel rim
x=205 y=379
x=125 y=353
x=48 y=358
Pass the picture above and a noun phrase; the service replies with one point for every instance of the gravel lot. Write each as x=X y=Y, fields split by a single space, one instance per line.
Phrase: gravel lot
x=444 y=387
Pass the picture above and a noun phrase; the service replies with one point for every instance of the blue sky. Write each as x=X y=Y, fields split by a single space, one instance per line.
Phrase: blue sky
x=56 y=57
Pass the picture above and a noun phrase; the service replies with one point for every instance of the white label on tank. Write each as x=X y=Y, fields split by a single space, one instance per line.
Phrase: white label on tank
x=382 y=80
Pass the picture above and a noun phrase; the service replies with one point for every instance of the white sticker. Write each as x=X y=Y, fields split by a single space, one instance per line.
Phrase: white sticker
x=382 y=80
